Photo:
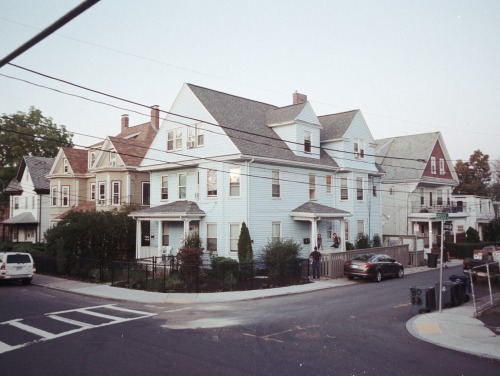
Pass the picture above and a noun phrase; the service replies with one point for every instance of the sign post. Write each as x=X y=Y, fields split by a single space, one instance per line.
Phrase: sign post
x=441 y=217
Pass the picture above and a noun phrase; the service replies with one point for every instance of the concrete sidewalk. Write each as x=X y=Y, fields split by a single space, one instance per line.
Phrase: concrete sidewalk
x=453 y=328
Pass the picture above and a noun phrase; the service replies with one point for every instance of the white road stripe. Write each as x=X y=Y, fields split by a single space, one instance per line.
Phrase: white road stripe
x=145 y=314
x=98 y=314
x=30 y=329
x=72 y=322
x=4 y=347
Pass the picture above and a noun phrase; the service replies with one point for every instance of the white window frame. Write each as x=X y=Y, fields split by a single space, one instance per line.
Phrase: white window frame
x=211 y=237
x=359 y=189
x=441 y=166
x=344 y=189
x=312 y=187
x=112 y=157
x=346 y=231
x=329 y=229
x=433 y=165
x=182 y=191
x=174 y=139
x=211 y=183
x=53 y=196
x=164 y=188
x=276 y=230
x=143 y=192
x=361 y=226
x=234 y=234
x=439 y=197
x=165 y=233
x=115 y=193
x=307 y=142
x=92 y=157
x=234 y=182
x=359 y=148
x=170 y=140
x=276 y=187
x=65 y=166
x=196 y=135
x=178 y=139
x=328 y=182
x=92 y=191
x=65 y=196
x=101 y=193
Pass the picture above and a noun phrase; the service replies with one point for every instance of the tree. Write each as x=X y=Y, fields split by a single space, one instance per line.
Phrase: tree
x=473 y=176
x=280 y=257
x=32 y=133
x=245 y=252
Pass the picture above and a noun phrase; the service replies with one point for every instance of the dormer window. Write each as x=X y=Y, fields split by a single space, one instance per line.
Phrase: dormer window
x=359 y=149
x=65 y=166
x=92 y=156
x=307 y=142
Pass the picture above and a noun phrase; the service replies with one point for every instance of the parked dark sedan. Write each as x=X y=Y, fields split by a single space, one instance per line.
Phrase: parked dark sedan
x=373 y=266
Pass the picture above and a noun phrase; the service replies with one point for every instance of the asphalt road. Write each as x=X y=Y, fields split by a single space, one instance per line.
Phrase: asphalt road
x=351 y=330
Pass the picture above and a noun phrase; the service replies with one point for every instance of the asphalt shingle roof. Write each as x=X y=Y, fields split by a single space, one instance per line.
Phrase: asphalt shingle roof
x=335 y=125
x=77 y=159
x=315 y=208
x=39 y=168
x=176 y=207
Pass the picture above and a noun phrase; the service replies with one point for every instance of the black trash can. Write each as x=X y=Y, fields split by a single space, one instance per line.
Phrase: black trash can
x=432 y=260
x=423 y=299
x=462 y=288
x=449 y=295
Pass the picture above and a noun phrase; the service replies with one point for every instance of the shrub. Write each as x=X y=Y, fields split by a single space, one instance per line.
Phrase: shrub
x=472 y=236
x=245 y=253
x=362 y=241
x=377 y=242
x=280 y=257
x=349 y=246
x=190 y=256
x=224 y=266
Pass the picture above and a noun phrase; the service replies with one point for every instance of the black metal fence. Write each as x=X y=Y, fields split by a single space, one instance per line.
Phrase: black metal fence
x=167 y=274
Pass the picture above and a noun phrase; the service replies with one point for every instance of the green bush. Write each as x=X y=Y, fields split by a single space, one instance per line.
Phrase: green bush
x=463 y=250
x=245 y=253
x=377 y=242
x=224 y=266
x=362 y=241
x=280 y=257
x=349 y=246
x=472 y=236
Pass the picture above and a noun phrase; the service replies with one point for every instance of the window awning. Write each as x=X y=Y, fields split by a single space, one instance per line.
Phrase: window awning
x=178 y=210
x=21 y=219
x=311 y=210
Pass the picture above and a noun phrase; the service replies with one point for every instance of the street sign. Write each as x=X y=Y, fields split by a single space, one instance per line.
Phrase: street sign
x=442 y=216
x=448 y=227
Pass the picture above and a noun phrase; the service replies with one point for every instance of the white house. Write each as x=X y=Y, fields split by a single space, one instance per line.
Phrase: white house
x=29 y=200
x=219 y=160
x=471 y=211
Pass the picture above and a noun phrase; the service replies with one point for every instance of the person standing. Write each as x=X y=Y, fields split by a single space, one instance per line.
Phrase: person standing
x=319 y=242
x=315 y=256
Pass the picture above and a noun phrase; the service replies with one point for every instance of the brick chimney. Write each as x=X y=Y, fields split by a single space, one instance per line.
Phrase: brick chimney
x=299 y=98
x=125 y=121
x=155 y=117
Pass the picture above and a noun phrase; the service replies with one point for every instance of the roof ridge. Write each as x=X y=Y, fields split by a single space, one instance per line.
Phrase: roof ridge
x=231 y=95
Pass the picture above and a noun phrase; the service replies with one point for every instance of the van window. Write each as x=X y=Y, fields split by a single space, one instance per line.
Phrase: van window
x=18 y=259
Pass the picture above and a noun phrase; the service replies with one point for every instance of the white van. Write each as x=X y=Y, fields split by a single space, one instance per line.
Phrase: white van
x=17 y=266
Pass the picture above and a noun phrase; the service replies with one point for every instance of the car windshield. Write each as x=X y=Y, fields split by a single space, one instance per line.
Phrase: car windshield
x=365 y=258
x=18 y=259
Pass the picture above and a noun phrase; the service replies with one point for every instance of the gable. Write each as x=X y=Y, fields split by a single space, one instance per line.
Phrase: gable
x=437 y=160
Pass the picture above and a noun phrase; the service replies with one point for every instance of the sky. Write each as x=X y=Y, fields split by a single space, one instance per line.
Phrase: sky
x=410 y=66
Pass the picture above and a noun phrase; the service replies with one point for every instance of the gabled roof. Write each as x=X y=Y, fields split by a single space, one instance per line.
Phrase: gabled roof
x=39 y=168
x=405 y=157
x=131 y=151
x=286 y=114
x=335 y=125
x=77 y=159
x=176 y=209
x=141 y=133
x=245 y=122
x=23 y=218
x=315 y=208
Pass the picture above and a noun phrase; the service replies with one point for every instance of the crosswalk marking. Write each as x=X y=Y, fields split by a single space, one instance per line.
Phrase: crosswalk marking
x=31 y=329
x=80 y=325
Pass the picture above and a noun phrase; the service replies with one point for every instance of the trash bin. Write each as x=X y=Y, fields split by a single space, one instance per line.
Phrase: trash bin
x=462 y=288
x=449 y=295
x=432 y=260
x=423 y=299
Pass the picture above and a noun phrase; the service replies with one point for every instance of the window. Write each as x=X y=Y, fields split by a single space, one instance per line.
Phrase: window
x=102 y=193
x=165 y=233
x=53 y=196
x=276 y=230
x=359 y=149
x=146 y=189
x=433 y=165
x=116 y=192
x=346 y=232
x=164 y=187
x=16 y=202
x=344 y=192
x=276 y=184
x=92 y=156
x=422 y=198
x=65 y=195
x=234 y=182
x=112 y=157
x=430 y=198
x=307 y=142
x=65 y=166
x=374 y=190
x=33 y=202
x=441 y=166
x=196 y=136
x=174 y=139
x=328 y=183
x=26 y=202
x=212 y=183
x=182 y=186
x=439 y=198
x=361 y=227
x=234 y=234
x=312 y=187
x=92 y=191
x=212 y=237
x=359 y=189
x=329 y=229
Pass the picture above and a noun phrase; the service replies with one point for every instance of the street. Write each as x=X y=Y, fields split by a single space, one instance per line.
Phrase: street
x=351 y=330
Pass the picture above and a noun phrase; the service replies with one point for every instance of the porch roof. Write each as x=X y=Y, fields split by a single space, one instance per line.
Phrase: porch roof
x=21 y=219
x=310 y=210
x=176 y=209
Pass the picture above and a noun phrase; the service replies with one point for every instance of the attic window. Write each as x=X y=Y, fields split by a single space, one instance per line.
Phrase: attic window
x=65 y=166
x=359 y=149
x=307 y=142
x=133 y=135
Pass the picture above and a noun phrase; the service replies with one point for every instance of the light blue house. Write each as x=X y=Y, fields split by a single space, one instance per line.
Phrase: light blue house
x=219 y=160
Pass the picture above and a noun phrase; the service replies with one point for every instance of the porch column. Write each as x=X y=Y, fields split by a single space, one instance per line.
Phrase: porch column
x=160 y=238
x=138 y=235
x=342 y=232
x=430 y=235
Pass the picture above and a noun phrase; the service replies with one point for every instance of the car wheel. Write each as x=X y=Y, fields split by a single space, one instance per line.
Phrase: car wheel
x=378 y=276
x=401 y=273
x=350 y=277
x=26 y=281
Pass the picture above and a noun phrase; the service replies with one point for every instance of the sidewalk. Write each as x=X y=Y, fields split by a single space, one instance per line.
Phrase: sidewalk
x=453 y=328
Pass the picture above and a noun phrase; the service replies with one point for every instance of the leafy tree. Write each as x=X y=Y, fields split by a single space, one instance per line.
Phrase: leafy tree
x=492 y=231
x=280 y=256
x=472 y=236
x=377 y=242
x=473 y=176
x=22 y=134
